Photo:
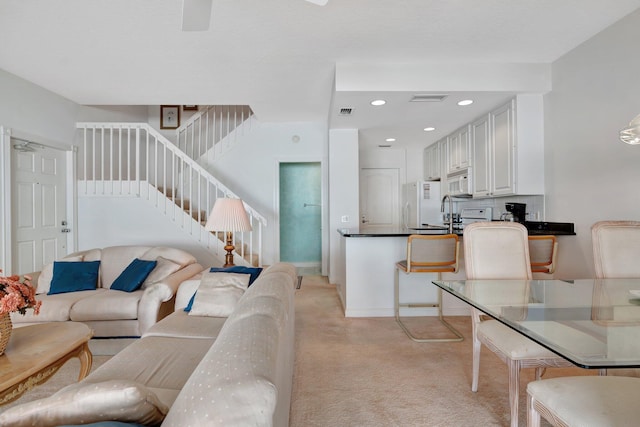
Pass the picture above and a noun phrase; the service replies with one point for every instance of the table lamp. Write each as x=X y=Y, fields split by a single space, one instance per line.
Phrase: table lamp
x=228 y=215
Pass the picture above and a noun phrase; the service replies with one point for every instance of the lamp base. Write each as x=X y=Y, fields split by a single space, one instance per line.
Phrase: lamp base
x=228 y=258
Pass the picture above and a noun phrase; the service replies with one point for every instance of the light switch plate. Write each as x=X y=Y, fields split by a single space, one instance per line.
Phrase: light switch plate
x=345 y=218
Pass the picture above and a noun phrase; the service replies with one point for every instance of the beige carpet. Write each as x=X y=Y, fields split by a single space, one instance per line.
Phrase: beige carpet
x=366 y=372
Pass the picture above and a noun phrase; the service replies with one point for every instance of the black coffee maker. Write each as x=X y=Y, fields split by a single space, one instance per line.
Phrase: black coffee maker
x=518 y=210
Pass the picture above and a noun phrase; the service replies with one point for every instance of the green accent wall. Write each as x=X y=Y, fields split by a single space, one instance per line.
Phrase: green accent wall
x=300 y=225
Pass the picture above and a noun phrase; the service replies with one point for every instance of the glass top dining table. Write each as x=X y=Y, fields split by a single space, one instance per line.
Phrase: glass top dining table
x=593 y=323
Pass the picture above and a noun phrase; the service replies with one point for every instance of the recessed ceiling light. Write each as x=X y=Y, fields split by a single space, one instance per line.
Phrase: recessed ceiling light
x=378 y=102
x=429 y=129
x=466 y=102
x=390 y=140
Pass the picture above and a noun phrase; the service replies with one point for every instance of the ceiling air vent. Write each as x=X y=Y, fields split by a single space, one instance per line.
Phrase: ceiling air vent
x=428 y=97
x=346 y=111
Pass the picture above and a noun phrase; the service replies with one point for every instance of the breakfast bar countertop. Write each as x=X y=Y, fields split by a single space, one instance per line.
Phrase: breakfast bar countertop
x=534 y=228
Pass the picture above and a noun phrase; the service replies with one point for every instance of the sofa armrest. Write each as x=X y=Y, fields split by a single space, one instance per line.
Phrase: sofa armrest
x=151 y=307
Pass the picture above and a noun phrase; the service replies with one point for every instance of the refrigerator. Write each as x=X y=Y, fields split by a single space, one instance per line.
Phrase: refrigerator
x=421 y=204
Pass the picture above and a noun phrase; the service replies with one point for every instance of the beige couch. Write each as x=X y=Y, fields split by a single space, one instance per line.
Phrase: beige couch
x=114 y=313
x=191 y=370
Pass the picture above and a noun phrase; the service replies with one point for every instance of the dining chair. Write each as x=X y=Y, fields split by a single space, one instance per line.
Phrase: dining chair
x=427 y=254
x=602 y=400
x=500 y=250
x=543 y=253
x=584 y=401
x=616 y=245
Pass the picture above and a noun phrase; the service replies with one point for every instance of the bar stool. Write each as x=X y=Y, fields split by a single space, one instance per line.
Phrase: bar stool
x=543 y=251
x=428 y=254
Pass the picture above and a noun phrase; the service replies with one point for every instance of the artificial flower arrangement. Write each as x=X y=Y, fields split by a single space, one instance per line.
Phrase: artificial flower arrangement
x=17 y=296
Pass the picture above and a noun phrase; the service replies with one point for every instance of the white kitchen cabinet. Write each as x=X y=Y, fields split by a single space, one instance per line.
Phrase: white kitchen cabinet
x=432 y=161
x=480 y=136
x=508 y=149
x=459 y=150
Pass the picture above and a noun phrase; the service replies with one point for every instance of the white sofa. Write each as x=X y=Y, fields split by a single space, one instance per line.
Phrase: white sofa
x=114 y=313
x=191 y=370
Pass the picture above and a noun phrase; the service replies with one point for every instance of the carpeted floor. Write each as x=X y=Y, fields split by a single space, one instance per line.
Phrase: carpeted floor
x=366 y=372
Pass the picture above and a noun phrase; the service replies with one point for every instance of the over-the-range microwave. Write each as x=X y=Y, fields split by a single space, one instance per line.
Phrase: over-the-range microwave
x=459 y=185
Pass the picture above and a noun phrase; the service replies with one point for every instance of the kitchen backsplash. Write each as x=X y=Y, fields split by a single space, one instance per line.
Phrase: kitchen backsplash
x=535 y=205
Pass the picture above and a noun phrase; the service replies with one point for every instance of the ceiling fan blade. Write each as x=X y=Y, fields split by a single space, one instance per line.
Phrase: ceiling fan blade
x=196 y=15
x=318 y=2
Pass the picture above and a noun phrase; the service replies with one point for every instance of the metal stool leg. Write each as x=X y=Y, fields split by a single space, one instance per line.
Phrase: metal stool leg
x=397 y=306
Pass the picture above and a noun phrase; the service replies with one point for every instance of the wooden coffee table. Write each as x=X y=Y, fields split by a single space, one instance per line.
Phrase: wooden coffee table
x=36 y=352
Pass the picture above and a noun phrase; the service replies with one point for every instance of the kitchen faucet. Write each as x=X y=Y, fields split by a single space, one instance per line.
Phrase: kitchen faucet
x=450 y=211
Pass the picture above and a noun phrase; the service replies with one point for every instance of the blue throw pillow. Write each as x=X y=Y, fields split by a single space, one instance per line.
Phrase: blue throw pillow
x=74 y=276
x=132 y=277
x=253 y=271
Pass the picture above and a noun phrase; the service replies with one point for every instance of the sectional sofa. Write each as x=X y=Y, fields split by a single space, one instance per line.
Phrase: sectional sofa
x=81 y=287
x=191 y=370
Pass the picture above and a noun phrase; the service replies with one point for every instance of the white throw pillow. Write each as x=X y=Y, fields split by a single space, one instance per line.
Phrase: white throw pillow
x=163 y=269
x=82 y=403
x=218 y=294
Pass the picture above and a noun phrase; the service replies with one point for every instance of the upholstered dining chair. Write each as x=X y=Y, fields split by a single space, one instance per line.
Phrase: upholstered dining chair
x=584 y=401
x=427 y=254
x=500 y=250
x=616 y=245
x=603 y=400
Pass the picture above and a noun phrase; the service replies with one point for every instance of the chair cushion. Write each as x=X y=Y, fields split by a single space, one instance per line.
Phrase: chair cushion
x=132 y=277
x=108 y=305
x=590 y=400
x=511 y=343
x=74 y=276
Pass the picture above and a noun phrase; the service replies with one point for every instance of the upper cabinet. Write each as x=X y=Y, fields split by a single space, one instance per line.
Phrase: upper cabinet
x=432 y=161
x=508 y=149
x=459 y=150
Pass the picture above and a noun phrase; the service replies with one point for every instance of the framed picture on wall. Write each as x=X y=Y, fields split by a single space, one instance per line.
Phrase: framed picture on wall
x=169 y=116
x=190 y=107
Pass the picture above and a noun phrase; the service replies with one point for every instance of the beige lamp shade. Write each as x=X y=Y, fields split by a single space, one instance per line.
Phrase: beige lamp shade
x=228 y=215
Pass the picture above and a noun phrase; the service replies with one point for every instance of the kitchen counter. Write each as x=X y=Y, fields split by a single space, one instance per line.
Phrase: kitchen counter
x=366 y=271
x=535 y=228
x=390 y=232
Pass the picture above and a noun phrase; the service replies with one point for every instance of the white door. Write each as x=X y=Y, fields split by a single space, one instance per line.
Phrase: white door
x=379 y=197
x=38 y=207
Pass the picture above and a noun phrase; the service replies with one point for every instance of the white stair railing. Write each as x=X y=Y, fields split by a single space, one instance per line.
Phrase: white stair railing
x=133 y=159
x=212 y=130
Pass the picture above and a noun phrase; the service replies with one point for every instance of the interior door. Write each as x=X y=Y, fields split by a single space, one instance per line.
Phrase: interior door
x=38 y=207
x=379 y=197
x=300 y=209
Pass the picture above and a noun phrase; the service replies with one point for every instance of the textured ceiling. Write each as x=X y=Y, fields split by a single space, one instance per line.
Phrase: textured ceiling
x=279 y=56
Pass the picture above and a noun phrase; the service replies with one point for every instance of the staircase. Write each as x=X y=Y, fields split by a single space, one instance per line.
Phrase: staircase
x=206 y=135
x=133 y=159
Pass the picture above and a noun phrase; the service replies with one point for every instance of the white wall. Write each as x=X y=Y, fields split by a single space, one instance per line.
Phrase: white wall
x=250 y=169
x=32 y=110
x=590 y=175
x=115 y=221
x=343 y=196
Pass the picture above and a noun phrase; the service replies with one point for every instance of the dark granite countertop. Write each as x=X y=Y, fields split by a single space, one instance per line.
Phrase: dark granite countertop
x=537 y=228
